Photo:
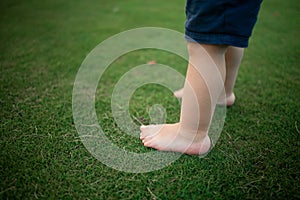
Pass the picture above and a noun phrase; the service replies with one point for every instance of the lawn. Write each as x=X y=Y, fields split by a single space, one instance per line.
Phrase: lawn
x=42 y=46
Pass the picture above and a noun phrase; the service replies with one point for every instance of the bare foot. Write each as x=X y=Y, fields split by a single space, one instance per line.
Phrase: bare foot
x=230 y=99
x=179 y=93
x=168 y=138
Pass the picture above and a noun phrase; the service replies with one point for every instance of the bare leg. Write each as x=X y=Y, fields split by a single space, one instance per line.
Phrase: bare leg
x=233 y=58
x=201 y=91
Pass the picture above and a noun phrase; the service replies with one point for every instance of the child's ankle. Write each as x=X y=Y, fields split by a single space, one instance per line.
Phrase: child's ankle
x=230 y=99
x=192 y=134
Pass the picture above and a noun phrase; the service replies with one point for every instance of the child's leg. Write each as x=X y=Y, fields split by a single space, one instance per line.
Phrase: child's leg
x=233 y=58
x=190 y=135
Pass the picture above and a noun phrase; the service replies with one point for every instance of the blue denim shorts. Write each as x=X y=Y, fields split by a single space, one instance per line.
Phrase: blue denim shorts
x=224 y=22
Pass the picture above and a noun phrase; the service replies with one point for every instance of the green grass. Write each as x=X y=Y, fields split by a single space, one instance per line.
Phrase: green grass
x=42 y=45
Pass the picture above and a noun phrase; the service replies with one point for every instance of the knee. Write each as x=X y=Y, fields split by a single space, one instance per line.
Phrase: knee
x=193 y=48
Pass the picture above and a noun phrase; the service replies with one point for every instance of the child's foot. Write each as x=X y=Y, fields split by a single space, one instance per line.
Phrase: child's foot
x=230 y=99
x=179 y=93
x=168 y=138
